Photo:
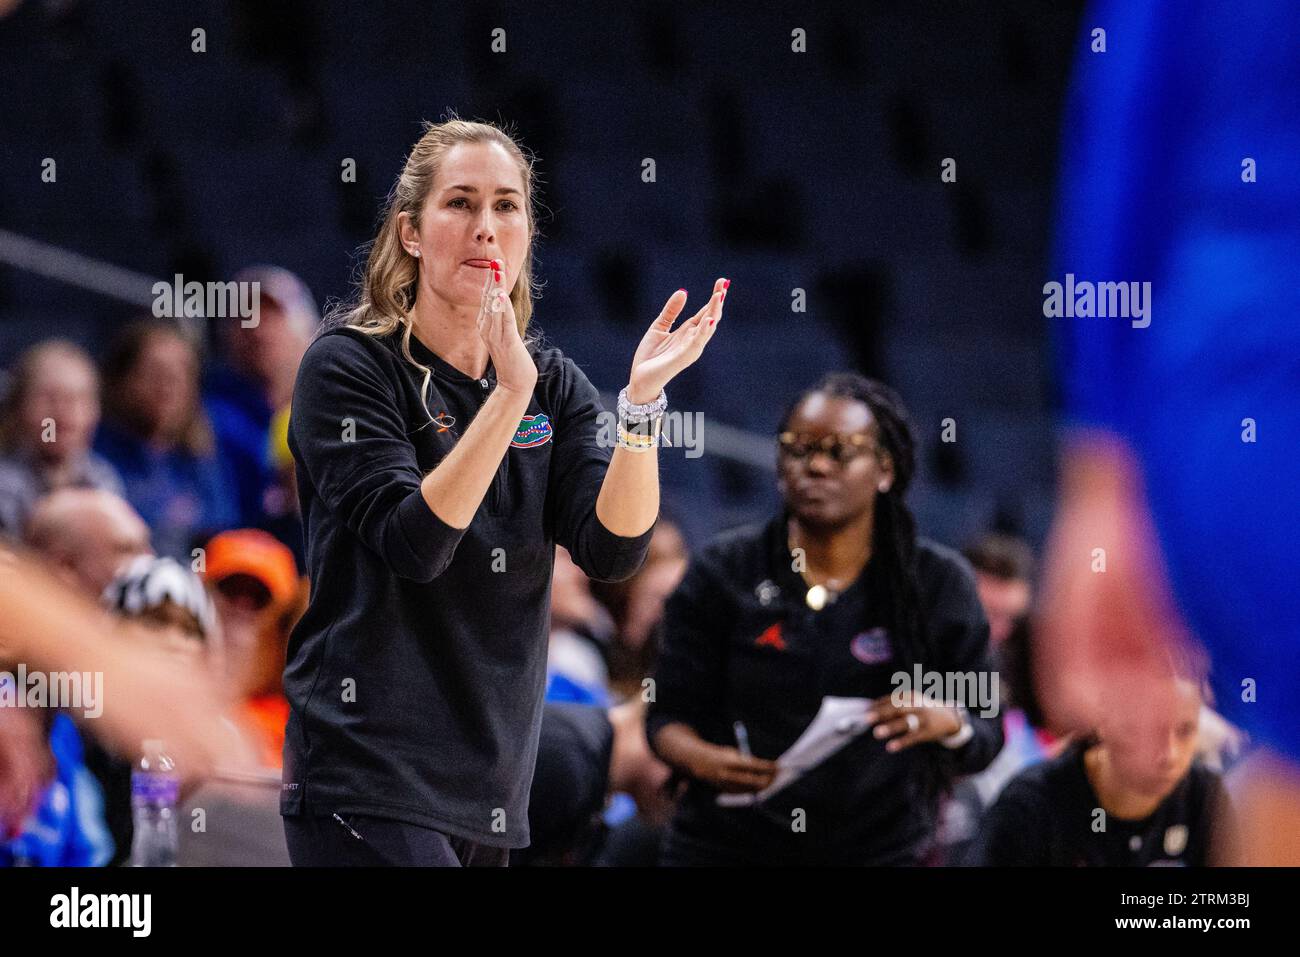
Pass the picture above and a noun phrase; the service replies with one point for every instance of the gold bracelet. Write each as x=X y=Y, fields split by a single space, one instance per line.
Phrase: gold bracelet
x=637 y=443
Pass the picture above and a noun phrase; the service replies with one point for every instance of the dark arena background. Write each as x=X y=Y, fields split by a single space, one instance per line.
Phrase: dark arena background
x=1065 y=235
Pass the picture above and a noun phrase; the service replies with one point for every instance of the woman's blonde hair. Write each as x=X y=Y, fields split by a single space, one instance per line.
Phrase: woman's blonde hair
x=386 y=292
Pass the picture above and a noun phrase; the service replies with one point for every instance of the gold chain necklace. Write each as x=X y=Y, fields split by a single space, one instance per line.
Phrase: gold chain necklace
x=819 y=594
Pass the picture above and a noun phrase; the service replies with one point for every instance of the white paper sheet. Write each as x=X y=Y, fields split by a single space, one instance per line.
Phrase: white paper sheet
x=838 y=721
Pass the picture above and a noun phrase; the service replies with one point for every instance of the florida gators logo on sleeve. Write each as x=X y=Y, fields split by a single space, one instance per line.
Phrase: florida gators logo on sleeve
x=533 y=430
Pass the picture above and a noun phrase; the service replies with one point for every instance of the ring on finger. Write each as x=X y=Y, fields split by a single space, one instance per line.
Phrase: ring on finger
x=913 y=722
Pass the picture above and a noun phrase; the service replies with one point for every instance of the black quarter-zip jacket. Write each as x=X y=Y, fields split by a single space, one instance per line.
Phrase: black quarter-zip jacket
x=1047 y=816
x=741 y=644
x=415 y=679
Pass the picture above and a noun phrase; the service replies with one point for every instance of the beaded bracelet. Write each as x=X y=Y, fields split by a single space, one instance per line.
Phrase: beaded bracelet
x=627 y=411
x=639 y=426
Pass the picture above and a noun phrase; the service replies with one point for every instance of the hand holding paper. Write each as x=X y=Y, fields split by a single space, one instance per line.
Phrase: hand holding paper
x=838 y=721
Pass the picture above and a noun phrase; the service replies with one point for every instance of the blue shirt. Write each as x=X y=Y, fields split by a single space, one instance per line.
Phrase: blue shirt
x=1156 y=133
x=67 y=828
x=180 y=496
x=241 y=419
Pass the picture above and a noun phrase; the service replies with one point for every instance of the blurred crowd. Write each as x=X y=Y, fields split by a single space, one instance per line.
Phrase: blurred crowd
x=157 y=482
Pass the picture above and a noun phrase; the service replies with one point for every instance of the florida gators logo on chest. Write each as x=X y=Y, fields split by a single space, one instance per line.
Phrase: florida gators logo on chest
x=872 y=647
x=533 y=430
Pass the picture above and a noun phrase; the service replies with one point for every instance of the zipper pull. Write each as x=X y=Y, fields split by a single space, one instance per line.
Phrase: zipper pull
x=349 y=827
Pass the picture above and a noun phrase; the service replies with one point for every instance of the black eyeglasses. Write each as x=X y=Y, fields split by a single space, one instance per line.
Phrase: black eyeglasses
x=840 y=448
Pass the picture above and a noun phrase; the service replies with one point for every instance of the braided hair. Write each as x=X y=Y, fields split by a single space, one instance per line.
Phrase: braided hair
x=893 y=544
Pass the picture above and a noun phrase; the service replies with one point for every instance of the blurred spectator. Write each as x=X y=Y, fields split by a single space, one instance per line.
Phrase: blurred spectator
x=250 y=387
x=86 y=536
x=169 y=600
x=637 y=814
x=66 y=825
x=1004 y=576
x=1026 y=743
x=584 y=753
x=637 y=777
x=265 y=706
x=26 y=768
x=47 y=422
x=581 y=629
x=635 y=769
x=1004 y=571
x=1130 y=794
x=569 y=784
x=649 y=590
x=638 y=607
x=259 y=598
x=172 y=604
x=51 y=807
x=580 y=640
x=156 y=433
x=51 y=626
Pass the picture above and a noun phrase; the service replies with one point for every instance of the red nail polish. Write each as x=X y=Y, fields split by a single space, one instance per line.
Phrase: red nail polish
x=722 y=297
x=712 y=321
x=726 y=284
x=496 y=276
x=681 y=290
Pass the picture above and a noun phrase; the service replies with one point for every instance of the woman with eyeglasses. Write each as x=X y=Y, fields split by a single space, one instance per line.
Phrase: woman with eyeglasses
x=833 y=597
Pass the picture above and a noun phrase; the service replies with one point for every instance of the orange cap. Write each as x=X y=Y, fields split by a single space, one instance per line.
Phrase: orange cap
x=250 y=551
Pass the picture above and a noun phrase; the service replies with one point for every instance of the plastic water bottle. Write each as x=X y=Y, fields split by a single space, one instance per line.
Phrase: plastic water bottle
x=155 y=794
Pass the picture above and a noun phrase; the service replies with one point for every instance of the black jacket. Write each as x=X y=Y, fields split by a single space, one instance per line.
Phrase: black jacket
x=416 y=676
x=1050 y=816
x=741 y=644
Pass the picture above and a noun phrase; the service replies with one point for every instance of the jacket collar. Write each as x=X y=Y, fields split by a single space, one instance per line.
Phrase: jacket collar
x=441 y=367
x=780 y=563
